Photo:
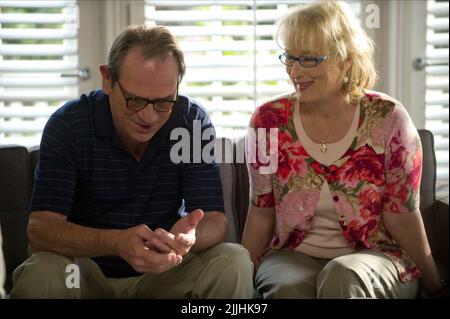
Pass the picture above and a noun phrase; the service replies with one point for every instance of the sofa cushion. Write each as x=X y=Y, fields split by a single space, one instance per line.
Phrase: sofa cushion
x=228 y=186
x=14 y=195
x=428 y=189
x=34 y=158
x=242 y=186
x=227 y=177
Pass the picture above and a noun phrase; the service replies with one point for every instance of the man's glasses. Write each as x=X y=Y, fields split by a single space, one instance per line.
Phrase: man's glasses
x=307 y=61
x=139 y=103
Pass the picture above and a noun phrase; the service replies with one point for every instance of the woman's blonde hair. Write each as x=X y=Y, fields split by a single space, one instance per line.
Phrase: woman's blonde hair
x=331 y=26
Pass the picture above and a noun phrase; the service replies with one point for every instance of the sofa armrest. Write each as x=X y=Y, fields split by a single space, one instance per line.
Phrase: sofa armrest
x=441 y=256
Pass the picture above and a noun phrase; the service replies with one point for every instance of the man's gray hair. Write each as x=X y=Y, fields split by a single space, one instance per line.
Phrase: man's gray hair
x=155 y=41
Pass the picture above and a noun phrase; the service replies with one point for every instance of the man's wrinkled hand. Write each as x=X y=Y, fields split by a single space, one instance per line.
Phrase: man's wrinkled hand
x=144 y=251
x=181 y=236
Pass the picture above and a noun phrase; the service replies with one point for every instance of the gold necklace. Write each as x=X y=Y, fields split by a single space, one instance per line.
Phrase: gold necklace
x=323 y=143
x=323 y=147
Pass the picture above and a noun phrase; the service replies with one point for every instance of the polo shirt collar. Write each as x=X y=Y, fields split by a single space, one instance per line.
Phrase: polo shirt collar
x=178 y=119
x=103 y=122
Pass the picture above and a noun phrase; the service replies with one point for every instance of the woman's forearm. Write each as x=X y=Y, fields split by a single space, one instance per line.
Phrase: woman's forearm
x=258 y=231
x=409 y=232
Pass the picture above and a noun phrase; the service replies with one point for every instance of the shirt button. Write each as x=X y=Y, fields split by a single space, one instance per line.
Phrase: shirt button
x=335 y=198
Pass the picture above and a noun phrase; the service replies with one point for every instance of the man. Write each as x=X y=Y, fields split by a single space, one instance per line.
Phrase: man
x=108 y=210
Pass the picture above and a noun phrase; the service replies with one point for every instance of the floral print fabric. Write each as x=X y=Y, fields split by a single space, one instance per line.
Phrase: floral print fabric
x=379 y=173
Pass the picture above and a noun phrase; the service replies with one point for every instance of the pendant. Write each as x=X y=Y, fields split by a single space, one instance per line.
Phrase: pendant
x=323 y=147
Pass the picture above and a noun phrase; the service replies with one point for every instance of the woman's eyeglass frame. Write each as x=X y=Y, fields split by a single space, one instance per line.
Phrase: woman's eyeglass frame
x=312 y=60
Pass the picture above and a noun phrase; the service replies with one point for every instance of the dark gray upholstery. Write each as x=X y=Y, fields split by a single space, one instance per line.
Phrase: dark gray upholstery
x=34 y=158
x=228 y=182
x=434 y=213
x=14 y=195
x=242 y=189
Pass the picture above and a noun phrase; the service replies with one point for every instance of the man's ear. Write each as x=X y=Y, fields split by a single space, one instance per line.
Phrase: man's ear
x=106 y=78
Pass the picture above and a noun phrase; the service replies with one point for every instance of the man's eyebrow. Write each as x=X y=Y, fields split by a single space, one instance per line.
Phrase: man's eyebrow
x=134 y=96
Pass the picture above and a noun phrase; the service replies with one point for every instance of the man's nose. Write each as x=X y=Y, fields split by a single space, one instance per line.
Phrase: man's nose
x=148 y=112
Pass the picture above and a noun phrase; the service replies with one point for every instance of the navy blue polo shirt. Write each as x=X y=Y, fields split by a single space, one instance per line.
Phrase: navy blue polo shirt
x=86 y=173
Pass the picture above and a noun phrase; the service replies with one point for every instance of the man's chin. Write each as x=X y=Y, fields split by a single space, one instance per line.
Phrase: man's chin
x=143 y=137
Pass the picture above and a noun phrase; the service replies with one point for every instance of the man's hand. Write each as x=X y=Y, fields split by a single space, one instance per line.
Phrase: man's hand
x=181 y=236
x=143 y=250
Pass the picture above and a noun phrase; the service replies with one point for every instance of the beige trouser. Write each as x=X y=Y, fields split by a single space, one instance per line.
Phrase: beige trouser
x=364 y=274
x=223 y=271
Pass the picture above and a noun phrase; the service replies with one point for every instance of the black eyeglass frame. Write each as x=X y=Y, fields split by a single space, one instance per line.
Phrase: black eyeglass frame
x=154 y=103
x=301 y=58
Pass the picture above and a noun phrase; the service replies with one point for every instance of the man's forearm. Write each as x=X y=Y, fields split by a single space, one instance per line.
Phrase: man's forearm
x=210 y=231
x=69 y=239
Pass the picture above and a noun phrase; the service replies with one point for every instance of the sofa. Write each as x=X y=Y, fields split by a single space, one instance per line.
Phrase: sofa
x=17 y=165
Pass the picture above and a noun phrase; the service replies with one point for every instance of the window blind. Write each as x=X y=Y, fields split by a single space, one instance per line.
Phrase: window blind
x=437 y=88
x=231 y=58
x=38 y=46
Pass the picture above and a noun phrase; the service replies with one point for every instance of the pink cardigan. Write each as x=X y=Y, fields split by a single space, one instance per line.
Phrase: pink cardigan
x=380 y=172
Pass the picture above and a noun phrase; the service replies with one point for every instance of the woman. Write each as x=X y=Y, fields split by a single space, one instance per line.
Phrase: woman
x=340 y=216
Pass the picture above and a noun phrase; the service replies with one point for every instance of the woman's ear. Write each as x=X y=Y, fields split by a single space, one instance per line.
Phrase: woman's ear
x=346 y=64
x=106 y=78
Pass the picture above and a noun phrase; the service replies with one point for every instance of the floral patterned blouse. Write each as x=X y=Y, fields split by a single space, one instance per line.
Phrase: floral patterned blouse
x=380 y=172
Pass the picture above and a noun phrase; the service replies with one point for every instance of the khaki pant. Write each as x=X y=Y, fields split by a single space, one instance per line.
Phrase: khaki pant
x=364 y=274
x=223 y=271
